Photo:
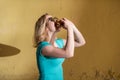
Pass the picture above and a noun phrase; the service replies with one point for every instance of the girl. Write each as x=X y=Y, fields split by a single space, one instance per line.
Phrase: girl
x=51 y=51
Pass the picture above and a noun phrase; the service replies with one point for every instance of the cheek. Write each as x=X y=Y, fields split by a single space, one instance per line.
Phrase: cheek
x=51 y=24
x=51 y=27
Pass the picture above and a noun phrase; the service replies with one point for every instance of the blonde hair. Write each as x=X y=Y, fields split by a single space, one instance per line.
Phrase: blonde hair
x=40 y=33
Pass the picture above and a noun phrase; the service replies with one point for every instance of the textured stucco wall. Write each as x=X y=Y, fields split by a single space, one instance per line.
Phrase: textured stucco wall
x=98 y=20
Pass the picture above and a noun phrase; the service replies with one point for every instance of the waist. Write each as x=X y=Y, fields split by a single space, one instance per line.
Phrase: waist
x=51 y=76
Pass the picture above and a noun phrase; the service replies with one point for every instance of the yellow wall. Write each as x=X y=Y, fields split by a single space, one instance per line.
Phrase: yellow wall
x=98 y=20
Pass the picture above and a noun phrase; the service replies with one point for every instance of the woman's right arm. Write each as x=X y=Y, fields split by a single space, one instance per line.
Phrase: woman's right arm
x=67 y=51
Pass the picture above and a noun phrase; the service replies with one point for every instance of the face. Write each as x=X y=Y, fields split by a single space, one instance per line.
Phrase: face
x=51 y=24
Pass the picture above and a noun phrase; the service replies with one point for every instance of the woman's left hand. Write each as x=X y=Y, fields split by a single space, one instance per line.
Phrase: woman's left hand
x=67 y=23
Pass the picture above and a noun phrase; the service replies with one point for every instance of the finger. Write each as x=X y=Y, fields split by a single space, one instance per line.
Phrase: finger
x=63 y=18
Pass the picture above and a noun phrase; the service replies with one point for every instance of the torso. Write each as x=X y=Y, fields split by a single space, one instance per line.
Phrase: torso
x=50 y=68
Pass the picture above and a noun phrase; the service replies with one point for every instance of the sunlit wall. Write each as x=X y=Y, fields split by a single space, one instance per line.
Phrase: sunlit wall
x=98 y=21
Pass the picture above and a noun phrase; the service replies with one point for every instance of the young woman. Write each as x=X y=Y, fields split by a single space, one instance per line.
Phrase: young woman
x=51 y=51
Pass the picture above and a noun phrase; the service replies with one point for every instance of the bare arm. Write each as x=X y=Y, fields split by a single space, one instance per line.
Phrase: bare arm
x=70 y=41
x=68 y=50
x=79 y=39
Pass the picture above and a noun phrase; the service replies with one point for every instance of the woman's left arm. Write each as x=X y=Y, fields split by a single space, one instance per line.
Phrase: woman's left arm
x=78 y=37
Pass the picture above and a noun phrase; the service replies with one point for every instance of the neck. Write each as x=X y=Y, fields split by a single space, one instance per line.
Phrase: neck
x=52 y=37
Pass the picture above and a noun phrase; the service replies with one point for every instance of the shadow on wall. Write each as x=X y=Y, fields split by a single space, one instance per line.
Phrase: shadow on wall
x=6 y=50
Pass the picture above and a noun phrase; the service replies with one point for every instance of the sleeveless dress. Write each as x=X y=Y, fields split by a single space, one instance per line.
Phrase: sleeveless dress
x=50 y=68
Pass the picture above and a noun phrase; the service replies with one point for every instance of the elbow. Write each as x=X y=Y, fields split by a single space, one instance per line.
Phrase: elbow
x=81 y=44
x=69 y=55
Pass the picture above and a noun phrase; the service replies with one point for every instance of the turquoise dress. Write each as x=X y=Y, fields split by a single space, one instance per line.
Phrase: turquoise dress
x=50 y=68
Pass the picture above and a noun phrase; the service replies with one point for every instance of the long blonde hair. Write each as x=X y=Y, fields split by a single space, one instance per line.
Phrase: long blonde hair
x=40 y=33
